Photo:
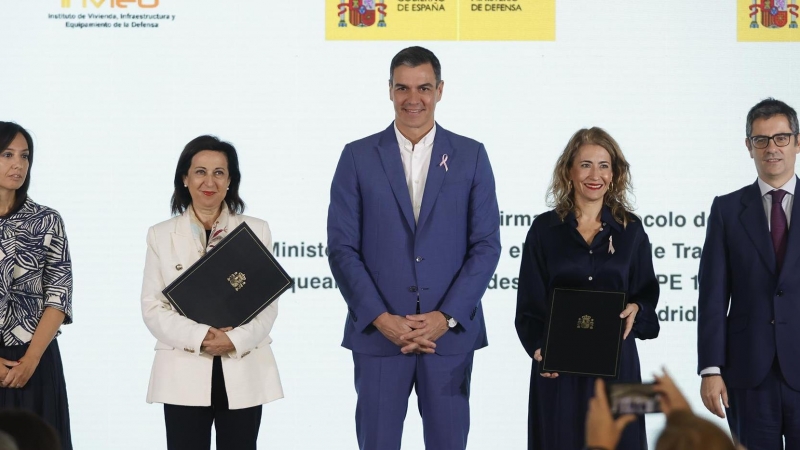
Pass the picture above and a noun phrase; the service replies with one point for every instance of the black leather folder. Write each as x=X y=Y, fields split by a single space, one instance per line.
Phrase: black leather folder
x=584 y=333
x=231 y=283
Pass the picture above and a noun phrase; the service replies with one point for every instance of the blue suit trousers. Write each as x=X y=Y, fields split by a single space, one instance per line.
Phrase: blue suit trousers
x=383 y=385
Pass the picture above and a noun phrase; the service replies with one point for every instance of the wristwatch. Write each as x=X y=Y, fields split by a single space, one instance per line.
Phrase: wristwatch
x=451 y=322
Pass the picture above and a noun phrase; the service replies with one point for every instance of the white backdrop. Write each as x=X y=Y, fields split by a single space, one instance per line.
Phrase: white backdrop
x=111 y=109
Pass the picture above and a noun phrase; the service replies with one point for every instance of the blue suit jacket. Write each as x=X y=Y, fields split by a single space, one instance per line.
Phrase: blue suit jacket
x=738 y=270
x=382 y=260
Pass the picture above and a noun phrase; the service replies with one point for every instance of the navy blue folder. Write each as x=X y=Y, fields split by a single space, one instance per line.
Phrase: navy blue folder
x=584 y=333
x=231 y=283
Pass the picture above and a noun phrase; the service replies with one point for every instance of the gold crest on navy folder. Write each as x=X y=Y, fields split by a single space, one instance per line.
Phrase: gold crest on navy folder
x=231 y=284
x=584 y=333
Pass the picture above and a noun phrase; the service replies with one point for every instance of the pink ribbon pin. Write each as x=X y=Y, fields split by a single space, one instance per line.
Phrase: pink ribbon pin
x=444 y=162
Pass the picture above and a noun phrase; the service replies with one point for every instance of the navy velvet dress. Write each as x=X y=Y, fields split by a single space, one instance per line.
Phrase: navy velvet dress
x=556 y=255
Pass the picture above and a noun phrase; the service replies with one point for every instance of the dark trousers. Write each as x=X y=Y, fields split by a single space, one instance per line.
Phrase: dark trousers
x=383 y=384
x=189 y=427
x=762 y=417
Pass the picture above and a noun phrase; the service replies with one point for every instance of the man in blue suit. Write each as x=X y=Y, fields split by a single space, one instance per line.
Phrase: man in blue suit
x=749 y=306
x=413 y=234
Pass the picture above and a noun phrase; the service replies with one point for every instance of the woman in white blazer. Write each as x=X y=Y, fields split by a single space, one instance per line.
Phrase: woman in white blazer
x=201 y=374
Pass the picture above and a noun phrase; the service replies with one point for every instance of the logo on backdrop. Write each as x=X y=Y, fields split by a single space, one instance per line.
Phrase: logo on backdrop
x=110 y=14
x=768 y=20
x=361 y=13
x=109 y=3
x=440 y=20
x=774 y=13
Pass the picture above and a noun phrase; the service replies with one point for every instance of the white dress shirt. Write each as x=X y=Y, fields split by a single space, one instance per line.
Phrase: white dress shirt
x=416 y=161
x=766 y=199
x=788 y=199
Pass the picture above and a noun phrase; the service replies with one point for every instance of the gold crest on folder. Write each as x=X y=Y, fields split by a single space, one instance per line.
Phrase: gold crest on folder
x=586 y=323
x=237 y=280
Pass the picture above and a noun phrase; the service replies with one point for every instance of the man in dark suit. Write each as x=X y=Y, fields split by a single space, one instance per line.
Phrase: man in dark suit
x=413 y=233
x=749 y=306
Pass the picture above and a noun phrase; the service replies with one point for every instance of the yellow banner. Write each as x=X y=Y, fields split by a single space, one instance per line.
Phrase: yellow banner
x=767 y=21
x=440 y=20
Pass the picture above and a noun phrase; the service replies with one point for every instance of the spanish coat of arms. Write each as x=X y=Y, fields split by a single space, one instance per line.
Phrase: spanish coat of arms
x=774 y=13
x=362 y=13
x=586 y=323
x=237 y=280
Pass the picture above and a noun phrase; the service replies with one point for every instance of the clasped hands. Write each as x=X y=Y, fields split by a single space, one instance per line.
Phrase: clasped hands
x=216 y=342
x=15 y=374
x=415 y=333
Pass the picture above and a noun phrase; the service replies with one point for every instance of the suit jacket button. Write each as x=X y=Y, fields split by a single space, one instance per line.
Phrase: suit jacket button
x=412 y=289
x=187 y=349
x=245 y=353
x=419 y=259
x=178 y=267
x=779 y=293
x=772 y=322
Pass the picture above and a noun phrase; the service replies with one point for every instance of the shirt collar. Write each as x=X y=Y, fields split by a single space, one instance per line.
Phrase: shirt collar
x=425 y=142
x=788 y=187
x=605 y=217
x=609 y=219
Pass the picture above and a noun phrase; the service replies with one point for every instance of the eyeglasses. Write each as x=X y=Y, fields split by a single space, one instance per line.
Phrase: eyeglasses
x=780 y=139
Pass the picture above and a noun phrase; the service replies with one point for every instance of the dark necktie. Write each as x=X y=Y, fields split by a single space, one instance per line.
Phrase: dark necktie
x=778 y=226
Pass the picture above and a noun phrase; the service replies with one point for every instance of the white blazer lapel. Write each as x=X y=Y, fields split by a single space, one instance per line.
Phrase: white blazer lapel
x=186 y=247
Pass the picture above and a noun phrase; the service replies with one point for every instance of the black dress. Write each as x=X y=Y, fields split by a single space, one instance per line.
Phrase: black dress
x=556 y=255
x=45 y=393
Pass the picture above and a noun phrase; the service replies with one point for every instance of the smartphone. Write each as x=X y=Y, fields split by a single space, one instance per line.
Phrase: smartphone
x=632 y=398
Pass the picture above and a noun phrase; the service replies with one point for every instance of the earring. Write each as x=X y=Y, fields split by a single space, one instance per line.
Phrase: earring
x=186 y=185
x=229 y=189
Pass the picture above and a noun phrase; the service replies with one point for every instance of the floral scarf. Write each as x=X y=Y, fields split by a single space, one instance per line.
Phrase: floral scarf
x=218 y=231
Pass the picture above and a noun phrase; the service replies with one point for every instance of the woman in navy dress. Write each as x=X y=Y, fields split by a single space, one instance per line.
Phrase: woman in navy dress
x=591 y=240
x=35 y=291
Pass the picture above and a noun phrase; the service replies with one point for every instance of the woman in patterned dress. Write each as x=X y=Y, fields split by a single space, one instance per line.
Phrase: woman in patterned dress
x=205 y=375
x=35 y=291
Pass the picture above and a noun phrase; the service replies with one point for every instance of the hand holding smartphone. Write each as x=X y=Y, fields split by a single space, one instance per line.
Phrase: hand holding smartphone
x=632 y=398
